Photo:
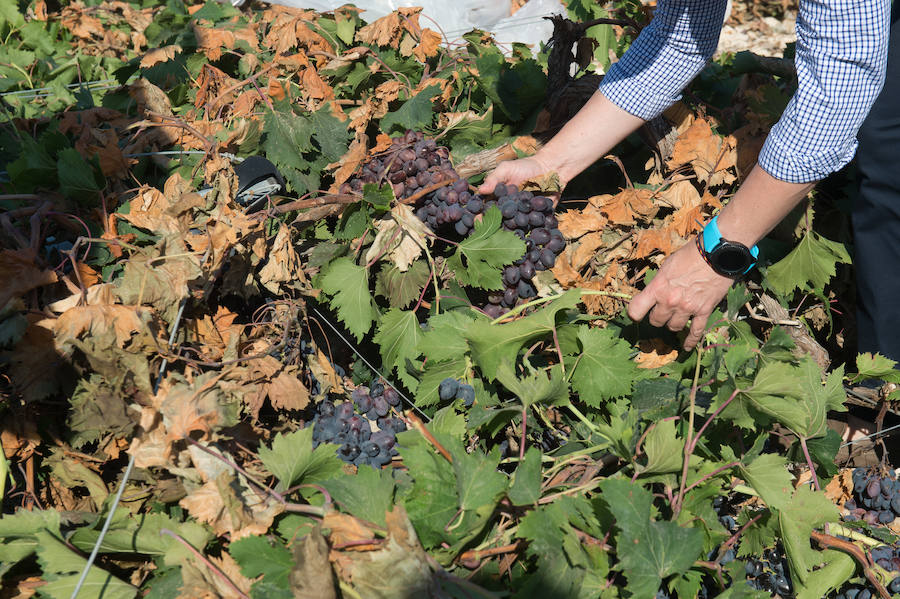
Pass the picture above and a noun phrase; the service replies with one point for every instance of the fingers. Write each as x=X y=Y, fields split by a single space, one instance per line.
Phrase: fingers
x=641 y=303
x=698 y=327
x=498 y=175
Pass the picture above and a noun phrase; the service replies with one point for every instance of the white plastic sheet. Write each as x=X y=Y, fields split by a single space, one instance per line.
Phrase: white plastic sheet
x=456 y=17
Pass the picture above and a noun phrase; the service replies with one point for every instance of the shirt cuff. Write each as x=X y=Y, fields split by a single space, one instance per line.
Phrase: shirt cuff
x=780 y=158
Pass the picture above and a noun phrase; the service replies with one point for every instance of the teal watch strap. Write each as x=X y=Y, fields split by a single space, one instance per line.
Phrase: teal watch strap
x=712 y=237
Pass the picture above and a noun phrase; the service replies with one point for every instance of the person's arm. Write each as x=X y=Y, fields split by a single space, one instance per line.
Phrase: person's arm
x=841 y=57
x=668 y=53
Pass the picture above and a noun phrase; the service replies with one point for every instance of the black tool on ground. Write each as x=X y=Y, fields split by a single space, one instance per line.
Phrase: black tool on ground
x=257 y=179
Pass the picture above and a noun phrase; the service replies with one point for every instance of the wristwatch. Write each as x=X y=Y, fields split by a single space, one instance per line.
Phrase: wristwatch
x=728 y=258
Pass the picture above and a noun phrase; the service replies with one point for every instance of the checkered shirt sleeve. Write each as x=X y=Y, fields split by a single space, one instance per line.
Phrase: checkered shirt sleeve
x=841 y=59
x=668 y=53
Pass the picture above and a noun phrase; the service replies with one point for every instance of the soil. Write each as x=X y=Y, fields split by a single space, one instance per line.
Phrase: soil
x=749 y=28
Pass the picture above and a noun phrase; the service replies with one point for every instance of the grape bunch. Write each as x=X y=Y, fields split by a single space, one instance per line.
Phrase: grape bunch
x=452 y=205
x=877 y=498
x=364 y=428
x=451 y=388
x=410 y=164
x=855 y=591
x=530 y=217
x=769 y=573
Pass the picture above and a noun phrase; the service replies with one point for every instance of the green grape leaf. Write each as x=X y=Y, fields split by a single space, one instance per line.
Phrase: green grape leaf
x=664 y=449
x=141 y=533
x=287 y=137
x=493 y=344
x=544 y=387
x=444 y=339
x=400 y=288
x=478 y=259
x=526 y=487
x=604 y=370
x=398 y=336
x=368 y=495
x=76 y=176
x=416 y=113
x=292 y=458
x=348 y=286
x=648 y=551
x=810 y=265
x=260 y=556
x=62 y=568
x=876 y=366
x=430 y=503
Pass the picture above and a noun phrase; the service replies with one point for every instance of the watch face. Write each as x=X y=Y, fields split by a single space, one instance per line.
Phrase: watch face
x=731 y=259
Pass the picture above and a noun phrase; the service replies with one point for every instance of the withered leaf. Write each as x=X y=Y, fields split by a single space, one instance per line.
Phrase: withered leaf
x=19 y=273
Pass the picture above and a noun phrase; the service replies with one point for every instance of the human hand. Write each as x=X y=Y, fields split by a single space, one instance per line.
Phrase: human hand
x=685 y=288
x=514 y=172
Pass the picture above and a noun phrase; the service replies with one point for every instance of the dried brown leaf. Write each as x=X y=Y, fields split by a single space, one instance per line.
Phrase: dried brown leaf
x=158 y=55
x=19 y=273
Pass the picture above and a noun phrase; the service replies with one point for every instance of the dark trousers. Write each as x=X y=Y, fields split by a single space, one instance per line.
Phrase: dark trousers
x=876 y=214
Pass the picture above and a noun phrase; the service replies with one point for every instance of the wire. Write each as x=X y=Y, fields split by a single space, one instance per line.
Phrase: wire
x=369 y=364
x=885 y=431
x=128 y=469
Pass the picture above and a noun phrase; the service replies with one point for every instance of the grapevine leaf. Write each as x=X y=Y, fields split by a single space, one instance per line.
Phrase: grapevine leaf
x=547 y=387
x=795 y=396
x=876 y=366
x=478 y=482
x=10 y=15
x=547 y=530
x=478 y=259
x=292 y=458
x=493 y=344
x=648 y=551
x=665 y=451
x=444 y=338
x=837 y=569
x=287 y=137
x=399 y=335
x=526 y=487
x=605 y=369
x=402 y=288
x=810 y=265
x=416 y=113
x=769 y=477
x=348 y=286
x=76 y=175
x=259 y=556
x=17 y=540
x=141 y=534
x=368 y=495
x=62 y=568
x=431 y=507
x=330 y=134
x=804 y=511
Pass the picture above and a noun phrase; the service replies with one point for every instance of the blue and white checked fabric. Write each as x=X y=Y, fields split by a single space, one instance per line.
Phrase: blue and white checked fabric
x=841 y=58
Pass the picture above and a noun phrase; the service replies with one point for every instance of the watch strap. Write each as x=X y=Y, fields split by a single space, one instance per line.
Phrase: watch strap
x=712 y=237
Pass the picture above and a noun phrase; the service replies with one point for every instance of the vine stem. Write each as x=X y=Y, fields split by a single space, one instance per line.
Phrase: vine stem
x=420 y=426
x=541 y=300
x=213 y=568
x=689 y=448
x=809 y=462
x=848 y=547
x=583 y=418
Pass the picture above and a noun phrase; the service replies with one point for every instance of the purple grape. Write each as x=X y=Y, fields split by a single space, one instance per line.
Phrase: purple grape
x=527 y=270
x=391 y=396
x=535 y=219
x=556 y=245
x=525 y=290
x=873 y=488
x=461 y=228
x=508 y=209
x=548 y=258
x=540 y=236
x=511 y=275
x=521 y=220
x=475 y=205
x=447 y=389
x=510 y=296
x=524 y=206
x=540 y=203
x=380 y=405
x=500 y=190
